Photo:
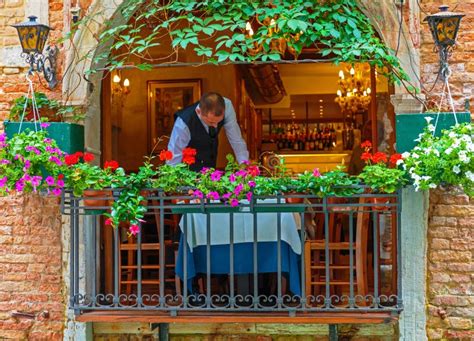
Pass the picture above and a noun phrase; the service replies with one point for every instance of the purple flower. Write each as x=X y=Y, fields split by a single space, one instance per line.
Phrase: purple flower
x=249 y=196
x=241 y=172
x=3 y=137
x=47 y=140
x=226 y=196
x=238 y=189
x=5 y=162
x=232 y=178
x=234 y=202
x=33 y=149
x=26 y=177
x=44 y=125
x=57 y=191
x=60 y=183
x=35 y=181
x=216 y=175
x=19 y=185
x=316 y=172
x=204 y=170
x=3 y=181
x=50 y=180
x=55 y=160
x=251 y=184
x=213 y=195
x=18 y=157
x=245 y=162
x=198 y=194
x=27 y=165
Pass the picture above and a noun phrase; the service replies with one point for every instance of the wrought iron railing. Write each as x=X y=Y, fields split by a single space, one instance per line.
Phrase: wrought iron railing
x=288 y=253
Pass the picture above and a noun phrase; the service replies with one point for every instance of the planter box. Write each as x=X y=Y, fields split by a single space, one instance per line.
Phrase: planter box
x=285 y=208
x=409 y=126
x=68 y=136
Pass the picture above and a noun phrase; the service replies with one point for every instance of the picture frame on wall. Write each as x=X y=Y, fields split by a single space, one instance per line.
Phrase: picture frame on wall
x=165 y=98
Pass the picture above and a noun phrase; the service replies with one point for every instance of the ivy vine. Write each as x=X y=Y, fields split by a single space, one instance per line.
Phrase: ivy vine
x=218 y=31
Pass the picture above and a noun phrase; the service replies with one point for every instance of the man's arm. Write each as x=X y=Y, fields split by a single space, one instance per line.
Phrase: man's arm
x=233 y=133
x=180 y=137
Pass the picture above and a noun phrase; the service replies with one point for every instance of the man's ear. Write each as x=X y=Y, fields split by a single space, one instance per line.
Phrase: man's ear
x=198 y=111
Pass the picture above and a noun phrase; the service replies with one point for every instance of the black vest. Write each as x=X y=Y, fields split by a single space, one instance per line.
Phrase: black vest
x=205 y=145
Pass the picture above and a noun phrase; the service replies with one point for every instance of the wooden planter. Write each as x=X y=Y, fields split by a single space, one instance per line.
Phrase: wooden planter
x=97 y=201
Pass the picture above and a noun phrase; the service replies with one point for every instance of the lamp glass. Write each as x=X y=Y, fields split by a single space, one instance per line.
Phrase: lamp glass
x=33 y=35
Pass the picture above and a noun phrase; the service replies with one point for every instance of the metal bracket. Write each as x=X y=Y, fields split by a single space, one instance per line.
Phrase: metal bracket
x=163 y=330
x=333 y=332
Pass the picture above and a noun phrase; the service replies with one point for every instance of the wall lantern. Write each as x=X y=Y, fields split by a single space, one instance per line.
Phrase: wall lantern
x=33 y=37
x=444 y=27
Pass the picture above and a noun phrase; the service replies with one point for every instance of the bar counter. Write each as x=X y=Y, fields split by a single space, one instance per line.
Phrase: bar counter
x=298 y=162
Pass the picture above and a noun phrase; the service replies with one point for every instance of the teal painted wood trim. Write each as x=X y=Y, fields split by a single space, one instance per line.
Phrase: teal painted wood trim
x=409 y=126
x=69 y=136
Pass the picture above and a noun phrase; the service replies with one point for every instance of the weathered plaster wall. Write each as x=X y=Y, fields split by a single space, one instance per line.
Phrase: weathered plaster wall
x=450 y=293
x=30 y=268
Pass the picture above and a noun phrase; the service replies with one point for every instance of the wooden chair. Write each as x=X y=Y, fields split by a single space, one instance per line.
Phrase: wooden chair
x=150 y=258
x=315 y=267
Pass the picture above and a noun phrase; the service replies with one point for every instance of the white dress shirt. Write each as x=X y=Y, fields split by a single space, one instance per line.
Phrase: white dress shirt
x=180 y=136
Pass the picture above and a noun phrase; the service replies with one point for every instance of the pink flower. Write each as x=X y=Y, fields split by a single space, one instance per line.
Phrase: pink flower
x=60 y=183
x=238 y=189
x=27 y=165
x=213 y=195
x=134 y=229
x=204 y=170
x=3 y=181
x=249 y=196
x=57 y=191
x=316 y=172
x=26 y=177
x=32 y=149
x=47 y=140
x=241 y=173
x=198 y=194
x=44 y=125
x=226 y=196
x=49 y=180
x=252 y=184
x=55 y=160
x=5 y=162
x=245 y=162
x=35 y=181
x=19 y=185
x=216 y=175
x=232 y=178
x=108 y=221
x=234 y=202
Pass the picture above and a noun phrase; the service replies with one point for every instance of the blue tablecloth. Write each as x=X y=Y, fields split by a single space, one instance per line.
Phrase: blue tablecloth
x=243 y=261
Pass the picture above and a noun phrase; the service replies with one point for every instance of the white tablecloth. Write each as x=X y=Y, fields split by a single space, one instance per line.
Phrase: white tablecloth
x=243 y=228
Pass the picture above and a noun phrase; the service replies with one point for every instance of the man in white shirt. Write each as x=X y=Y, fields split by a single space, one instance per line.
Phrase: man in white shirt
x=198 y=125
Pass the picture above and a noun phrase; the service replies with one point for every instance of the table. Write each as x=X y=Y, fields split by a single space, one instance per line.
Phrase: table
x=267 y=245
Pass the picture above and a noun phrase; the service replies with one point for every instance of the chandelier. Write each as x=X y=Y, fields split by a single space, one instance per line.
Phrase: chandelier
x=353 y=95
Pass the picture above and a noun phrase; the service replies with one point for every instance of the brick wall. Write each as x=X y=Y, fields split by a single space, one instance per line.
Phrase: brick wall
x=12 y=68
x=30 y=269
x=461 y=61
x=450 y=293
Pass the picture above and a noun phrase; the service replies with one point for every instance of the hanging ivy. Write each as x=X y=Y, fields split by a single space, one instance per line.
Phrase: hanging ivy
x=247 y=31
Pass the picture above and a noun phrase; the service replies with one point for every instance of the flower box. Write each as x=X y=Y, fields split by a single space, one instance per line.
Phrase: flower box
x=68 y=136
x=409 y=126
x=207 y=209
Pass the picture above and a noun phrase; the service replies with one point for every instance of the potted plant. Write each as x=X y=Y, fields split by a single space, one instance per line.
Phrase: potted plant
x=30 y=162
x=381 y=173
x=442 y=160
x=68 y=136
x=91 y=181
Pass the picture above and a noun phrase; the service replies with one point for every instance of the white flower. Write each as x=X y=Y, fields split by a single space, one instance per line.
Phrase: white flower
x=431 y=128
x=452 y=134
x=432 y=185
x=449 y=150
x=399 y=162
x=456 y=169
x=428 y=119
x=455 y=144
x=415 y=155
x=470 y=175
x=463 y=156
x=406 y=155
x=436 y=152
x=425 y=177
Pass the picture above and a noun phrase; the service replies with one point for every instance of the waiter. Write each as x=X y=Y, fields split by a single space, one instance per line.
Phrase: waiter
x=198 y=125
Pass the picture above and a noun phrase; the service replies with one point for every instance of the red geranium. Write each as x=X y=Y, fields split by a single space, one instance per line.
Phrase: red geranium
x=60 y=176
x=366 y=156
x=189 y=160
x=88 y=157
x=79 y=154
x=71 y=159
x=379 y=157
x=189 y=152
x=394 y=158
x=112 y=164
x=366 y=144
x=166 y=155
x=253 y=170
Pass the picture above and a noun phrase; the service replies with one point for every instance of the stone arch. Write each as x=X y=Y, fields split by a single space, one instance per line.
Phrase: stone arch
x=87 y=93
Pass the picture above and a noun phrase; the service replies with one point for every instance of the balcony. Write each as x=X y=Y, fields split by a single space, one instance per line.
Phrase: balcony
x=289 y=258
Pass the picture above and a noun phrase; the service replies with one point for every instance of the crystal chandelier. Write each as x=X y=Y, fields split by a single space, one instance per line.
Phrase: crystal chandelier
x=353 y=95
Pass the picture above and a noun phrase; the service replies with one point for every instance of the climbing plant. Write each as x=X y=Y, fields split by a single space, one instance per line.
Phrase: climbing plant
x=222 y=31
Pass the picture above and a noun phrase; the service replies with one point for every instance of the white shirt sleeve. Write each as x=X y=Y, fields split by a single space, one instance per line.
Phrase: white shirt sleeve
x=234 y=134
x=180 y=137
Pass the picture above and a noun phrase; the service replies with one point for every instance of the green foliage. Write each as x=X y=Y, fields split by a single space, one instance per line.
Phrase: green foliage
x=172 y=179
x=337 y=29
x=382 y=179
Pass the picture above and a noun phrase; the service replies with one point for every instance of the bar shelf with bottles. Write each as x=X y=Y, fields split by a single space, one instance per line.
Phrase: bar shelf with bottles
x=318 y=137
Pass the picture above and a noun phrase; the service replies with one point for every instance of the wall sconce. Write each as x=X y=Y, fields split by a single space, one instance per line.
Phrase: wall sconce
x=444 y=27
x=33 y=37
x=120 y=87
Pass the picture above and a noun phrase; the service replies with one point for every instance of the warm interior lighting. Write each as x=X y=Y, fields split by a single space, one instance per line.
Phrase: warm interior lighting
x=126 y=82
x=354 y=94
x=116 y=79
